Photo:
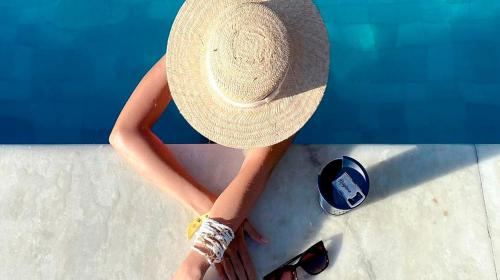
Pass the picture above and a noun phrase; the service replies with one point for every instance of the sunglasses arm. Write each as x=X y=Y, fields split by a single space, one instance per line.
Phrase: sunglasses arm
x=292 y=260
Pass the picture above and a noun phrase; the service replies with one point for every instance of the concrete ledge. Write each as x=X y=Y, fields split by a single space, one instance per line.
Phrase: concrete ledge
x=79 y=212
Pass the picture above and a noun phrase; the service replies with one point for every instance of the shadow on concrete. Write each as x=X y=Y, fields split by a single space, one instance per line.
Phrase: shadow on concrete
x=416 y=166
x=333 y=246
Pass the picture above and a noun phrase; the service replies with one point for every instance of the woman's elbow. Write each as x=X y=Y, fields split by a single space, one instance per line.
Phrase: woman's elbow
x=122 y=138
x=117 y=137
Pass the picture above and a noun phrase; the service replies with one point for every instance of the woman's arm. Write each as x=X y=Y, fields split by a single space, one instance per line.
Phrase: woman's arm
x=237 y=200
x=233 y=206
x=133 y=139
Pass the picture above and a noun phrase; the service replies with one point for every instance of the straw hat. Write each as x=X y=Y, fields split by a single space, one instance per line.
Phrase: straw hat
x=247 y=73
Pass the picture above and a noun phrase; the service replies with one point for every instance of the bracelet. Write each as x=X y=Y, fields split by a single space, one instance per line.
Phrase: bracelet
x=195 y=225
x=215 y=238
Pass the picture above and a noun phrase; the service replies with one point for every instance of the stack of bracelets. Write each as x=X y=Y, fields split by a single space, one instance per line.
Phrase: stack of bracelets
x=212 y=239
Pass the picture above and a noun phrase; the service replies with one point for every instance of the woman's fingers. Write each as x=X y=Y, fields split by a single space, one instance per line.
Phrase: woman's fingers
x=253 y=233
x=237 y=265
x=228 y=268
x=220 y=271
x=247 y=261
x=287 y=275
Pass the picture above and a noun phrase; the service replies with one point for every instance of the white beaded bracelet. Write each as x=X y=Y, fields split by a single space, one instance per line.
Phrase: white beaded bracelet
x=215 y=237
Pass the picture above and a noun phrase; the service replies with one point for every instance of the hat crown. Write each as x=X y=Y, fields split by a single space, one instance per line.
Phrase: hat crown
x=248 y=54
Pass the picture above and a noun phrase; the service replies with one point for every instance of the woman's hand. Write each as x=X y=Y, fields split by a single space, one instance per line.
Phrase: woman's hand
x=237 y=264
x=193 y=267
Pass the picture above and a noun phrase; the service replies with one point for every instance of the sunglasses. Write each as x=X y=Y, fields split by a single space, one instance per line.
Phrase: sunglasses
x=313 y=260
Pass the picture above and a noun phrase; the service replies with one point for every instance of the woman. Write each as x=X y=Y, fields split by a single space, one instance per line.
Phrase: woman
x=245 y=75
x=133 y=138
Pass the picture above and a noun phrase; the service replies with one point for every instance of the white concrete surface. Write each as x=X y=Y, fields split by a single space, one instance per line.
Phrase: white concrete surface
x=80 y=212
x=489 y=167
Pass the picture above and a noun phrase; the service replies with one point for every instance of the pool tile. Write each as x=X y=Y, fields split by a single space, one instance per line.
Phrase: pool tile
x=478 y=10
x=353 y=2
x=16 y=127
x=8 y=34
x=162 y=9
x=97 y=13
x=384 y=93
x=52 y=65
x=350 y=64
x=445 y=91
x=394 y=13
x=31 y=35
x=477 y=62
x=464 y=30
x=22 y=92
x=385 y=35
x=404 y=65
x=173 y=128
x=458 y=9
x=481 y=121
x=344 y=14
x=23 y=60
x=440 y=65
x=416 y=92
x=359 y=36
x=479 y=92
x=435 y=12
x=394 y=114
x=350 y=91
x=432 y=114
x=423 y=34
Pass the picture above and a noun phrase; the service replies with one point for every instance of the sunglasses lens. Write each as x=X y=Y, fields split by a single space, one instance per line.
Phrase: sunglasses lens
x=315 y=261
x=288 y=275
x=271 y=277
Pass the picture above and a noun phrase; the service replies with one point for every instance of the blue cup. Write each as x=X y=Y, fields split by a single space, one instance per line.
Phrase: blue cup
x=343 y=185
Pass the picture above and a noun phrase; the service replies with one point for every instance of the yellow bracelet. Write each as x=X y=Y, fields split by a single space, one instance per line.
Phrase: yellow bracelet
x=195 y=225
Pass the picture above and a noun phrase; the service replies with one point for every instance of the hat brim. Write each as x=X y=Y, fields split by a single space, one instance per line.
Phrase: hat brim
x=266 y=124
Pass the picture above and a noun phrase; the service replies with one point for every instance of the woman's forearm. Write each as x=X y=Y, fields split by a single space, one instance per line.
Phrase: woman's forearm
x=150 y=157
x=236 y=201
x=133 y=139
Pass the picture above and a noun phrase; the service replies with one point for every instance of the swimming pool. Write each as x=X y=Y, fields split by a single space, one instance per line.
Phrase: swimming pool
x=406 y=71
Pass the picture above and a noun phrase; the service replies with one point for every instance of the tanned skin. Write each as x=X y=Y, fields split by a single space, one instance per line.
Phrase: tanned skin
x=133 y=139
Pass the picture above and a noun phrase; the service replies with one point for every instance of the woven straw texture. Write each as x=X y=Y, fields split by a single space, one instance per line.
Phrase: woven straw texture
x=222 y=52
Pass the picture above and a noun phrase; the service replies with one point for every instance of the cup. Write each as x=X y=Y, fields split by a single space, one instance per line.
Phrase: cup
x=343 y=185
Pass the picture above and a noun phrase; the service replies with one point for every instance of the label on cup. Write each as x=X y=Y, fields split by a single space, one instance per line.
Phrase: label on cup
x=349 y=190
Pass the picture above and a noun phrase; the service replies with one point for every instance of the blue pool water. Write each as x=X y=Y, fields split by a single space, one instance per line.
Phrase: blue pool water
x=407 y=71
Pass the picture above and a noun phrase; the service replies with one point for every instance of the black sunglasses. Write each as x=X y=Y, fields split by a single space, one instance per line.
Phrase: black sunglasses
x=313 y=260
